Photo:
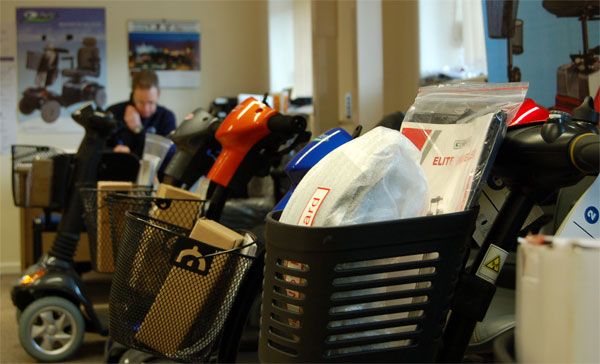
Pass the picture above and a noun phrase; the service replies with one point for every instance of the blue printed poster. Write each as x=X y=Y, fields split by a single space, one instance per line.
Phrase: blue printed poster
x=171 y=48
x=61 y=56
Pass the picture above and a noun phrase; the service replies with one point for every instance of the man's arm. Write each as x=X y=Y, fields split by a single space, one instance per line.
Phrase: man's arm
x=119 y=140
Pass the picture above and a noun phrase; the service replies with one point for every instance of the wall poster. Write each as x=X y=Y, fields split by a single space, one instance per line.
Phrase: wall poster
x=171 y=48
x=61 y=56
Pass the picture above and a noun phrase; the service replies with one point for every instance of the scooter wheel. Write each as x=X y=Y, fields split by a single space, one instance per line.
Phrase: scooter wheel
x=27 y=106
x=100 y=97
x=50 y=111
x=51 y=329
x=139 y=357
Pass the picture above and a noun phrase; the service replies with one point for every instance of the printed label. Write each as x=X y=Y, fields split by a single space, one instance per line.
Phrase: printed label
x=293 y=293
x=191 y=256
x=492 y=263
x=312 y=207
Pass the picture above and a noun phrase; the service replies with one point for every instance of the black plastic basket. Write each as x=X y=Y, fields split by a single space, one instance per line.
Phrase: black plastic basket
x=100 y=232
x=377 y=292
x=23 y=159
x=171 y=294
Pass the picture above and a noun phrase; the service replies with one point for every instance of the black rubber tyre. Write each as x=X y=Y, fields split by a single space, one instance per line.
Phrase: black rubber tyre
x=51 y=329
x=50 y=111
x=27 y=105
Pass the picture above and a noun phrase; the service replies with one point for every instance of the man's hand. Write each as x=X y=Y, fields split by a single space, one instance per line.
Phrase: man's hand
x=121 y=149
x=132 y=119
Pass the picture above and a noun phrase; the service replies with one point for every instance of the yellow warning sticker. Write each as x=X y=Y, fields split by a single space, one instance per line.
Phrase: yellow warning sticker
x=494 y=264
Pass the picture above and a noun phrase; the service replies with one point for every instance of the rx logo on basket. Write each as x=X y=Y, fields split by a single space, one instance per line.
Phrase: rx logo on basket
x=190 y=255
x=312 y=207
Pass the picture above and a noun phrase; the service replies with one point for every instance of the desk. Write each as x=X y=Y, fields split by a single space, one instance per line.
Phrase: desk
x=28 y=214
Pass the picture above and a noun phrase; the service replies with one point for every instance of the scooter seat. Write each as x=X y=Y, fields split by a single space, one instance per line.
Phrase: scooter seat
x=79 y=73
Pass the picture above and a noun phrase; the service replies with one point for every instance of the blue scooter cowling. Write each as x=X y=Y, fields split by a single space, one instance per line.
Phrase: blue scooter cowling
x=310 y=155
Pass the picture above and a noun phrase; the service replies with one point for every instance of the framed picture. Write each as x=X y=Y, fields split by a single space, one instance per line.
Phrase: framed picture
x=171 y=48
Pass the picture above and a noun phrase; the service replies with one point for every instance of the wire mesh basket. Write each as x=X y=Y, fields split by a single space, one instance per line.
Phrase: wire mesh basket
x=100 y=235
x=171 y=294
x=176 y=211
x=33 y=166
x=376 y=292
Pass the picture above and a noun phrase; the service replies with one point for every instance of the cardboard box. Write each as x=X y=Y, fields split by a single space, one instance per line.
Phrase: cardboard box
x=41 y=182
x=180 y=213
x=21 y=193
x=175 y=308
x=168 y=191
x=104 y=244
x=180 y=209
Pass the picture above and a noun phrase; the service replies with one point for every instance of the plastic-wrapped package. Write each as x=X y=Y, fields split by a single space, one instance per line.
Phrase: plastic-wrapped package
x=375 y=177
x=459 y=129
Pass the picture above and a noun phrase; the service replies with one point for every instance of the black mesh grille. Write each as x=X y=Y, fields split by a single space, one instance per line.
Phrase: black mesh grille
x=100 y=232
x=170 y=294
x=376 y=292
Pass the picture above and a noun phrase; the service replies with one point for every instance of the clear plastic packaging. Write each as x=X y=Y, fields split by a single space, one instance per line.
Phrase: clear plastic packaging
x=459 y=129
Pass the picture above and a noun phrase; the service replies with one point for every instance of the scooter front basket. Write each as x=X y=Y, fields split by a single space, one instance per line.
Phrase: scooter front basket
x=171 y=294
x=100 y=231
x=376 y=292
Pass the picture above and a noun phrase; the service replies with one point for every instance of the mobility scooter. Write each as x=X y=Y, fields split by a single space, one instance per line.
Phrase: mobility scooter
x=76 y=89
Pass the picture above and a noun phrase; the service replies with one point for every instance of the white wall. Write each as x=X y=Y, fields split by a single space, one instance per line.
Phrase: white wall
x=303 y=74
x=234 y=59
x=281 y=36
x=369 y=40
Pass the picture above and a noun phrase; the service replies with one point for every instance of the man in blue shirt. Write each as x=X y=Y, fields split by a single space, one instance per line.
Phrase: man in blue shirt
x=139 y=115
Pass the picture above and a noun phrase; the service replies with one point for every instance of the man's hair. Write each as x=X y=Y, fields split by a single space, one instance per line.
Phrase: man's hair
x=144 y=79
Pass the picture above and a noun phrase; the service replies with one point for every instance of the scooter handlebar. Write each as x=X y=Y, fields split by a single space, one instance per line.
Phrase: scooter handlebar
x=96 y=120
x=585 y=153
x=286 y=124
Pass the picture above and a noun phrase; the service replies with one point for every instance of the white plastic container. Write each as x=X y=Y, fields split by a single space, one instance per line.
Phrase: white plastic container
x=558 y=302
x=156 y=148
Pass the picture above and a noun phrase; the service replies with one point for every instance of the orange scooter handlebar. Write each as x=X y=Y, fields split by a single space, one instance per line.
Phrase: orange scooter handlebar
x=245 y=125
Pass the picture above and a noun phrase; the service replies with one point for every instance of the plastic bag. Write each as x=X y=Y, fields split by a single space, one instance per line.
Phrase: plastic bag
x=459 y=129
x=375 y=177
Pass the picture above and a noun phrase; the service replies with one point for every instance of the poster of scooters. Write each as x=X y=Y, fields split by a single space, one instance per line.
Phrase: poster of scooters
x=171 y=48
x=61 y=66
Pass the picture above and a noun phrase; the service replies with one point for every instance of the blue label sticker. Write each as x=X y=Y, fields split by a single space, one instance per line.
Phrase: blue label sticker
x=591 y=215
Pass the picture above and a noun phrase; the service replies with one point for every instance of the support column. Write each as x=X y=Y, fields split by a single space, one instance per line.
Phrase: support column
x=325 y=65
x=401 y=68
